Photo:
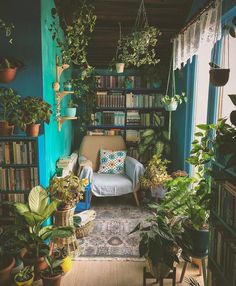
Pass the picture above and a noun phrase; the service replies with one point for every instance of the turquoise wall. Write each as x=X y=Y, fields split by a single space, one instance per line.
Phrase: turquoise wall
x=56 y=143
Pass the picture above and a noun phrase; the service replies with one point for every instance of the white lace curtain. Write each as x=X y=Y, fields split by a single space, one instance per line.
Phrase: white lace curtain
x=203 y=32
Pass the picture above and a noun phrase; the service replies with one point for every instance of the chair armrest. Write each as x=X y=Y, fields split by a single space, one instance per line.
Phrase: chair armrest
x=133 y=169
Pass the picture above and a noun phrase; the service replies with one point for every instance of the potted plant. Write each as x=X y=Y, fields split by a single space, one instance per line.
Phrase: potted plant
x=218 y=76
x=51 y=276
x=29 y=230
x=161 y=243
x=68 y=85
x=68 y=190
x=171 y=102
x=62 y=254
x=8 y=29
x=25 y=277
x=7 y=261
x=32 y=111
x=70 y=110
x=155 y=176
x=8 y=69
x=9 y=101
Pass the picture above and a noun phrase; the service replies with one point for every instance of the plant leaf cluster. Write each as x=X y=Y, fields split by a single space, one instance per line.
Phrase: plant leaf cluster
x=179 y=98
x=6 y=63
x=8 y=29
x=25 y=274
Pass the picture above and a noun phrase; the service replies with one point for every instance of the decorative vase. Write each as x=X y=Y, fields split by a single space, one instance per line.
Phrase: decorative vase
x=7 y=75
x=6 y=129
x=70 y=111
x=120 y=67
x=28 y=282
x=32 y=129
x=172 y=106
x=219 y=77
x=5 y=273
x=51 y=281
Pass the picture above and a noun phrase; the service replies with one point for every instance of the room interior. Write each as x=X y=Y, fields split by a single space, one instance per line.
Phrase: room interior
x=128 y=175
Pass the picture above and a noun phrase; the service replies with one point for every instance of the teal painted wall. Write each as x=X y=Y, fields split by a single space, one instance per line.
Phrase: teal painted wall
x=56 y=143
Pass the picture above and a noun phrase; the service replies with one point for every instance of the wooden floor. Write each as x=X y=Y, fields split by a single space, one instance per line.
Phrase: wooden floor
x=115 y=273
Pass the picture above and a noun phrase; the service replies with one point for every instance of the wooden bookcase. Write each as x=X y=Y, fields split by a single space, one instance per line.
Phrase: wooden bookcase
x=19 y=168
x=222 y=249
x=116 y=105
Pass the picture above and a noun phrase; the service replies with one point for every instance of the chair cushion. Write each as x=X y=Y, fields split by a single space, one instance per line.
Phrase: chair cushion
x=112 y=162
x=111 y=185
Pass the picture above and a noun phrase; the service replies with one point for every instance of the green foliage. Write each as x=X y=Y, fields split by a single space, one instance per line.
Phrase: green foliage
x=68 y=189
x=9 y=100
x=33 y=110
x=6 y=63
x=72 y=104
x=155 y=174
x=54 y=266
x=154 y=142
x=138 y=48
x=175 y=98
x=8 y=29
x=28 y=228
x=25 y=274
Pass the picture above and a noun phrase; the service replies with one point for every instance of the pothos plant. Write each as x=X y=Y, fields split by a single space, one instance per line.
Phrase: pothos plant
x=76 y=30
x=179 y=98
x=7 y=28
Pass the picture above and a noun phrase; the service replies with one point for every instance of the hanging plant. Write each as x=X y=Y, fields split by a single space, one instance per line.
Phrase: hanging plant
x=138 y=48
x=8 y=29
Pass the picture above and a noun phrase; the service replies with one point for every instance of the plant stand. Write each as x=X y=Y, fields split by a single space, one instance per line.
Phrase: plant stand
x=148 y=275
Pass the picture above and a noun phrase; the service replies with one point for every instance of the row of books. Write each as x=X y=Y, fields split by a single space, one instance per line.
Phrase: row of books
x=20 y=179
x=116 y=118
x=143 y=100
x=17 y=152
x=225 y=202
x=113 y=81
x=113 y=99
x=223 y=252
x=102 y=132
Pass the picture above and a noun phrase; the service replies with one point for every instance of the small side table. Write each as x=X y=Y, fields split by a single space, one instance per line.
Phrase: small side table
x=148 y=275
x=203 y=261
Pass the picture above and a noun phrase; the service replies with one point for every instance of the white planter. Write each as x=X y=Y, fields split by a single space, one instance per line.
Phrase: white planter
x=70 y=111
x=172 y=106
x=120 y=67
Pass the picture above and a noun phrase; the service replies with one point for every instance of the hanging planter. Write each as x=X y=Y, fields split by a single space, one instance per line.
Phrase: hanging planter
x=172 y=106
x=120 y=67
x=8 y=69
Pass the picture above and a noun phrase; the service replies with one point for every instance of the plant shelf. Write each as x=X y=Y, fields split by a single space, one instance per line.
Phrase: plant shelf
x=63 y=93
x=62 y=119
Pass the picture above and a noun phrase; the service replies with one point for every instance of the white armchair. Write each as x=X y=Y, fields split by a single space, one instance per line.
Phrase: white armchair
x=108 y=184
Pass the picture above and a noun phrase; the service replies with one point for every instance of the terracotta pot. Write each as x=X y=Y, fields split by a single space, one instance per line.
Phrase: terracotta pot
x=51 y=281
x=32 y=129
x=7 y=75
x=120 y=67
x=6 y=129
x=5 y=273
x=219 y=77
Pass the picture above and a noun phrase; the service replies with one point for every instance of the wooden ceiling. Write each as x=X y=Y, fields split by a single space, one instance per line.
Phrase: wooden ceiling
x=167 y=15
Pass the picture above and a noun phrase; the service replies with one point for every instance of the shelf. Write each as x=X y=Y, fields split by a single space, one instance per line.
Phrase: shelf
x=136 y=127
x=63 y=93
x=62 y=119
x=229 y=228
x=18 y=138
x=218 y=269
x=18 y=165
x=134 y=90
x=16 y=192
x=129 y=108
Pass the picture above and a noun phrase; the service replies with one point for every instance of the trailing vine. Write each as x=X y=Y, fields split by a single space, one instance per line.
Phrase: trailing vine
x=8 y=29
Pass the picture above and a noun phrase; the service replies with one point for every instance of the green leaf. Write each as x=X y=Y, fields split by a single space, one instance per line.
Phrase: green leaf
x=62 y=232
x=21 y=208
x=38 y=200
x=199 y=134
x=50 y=209
x=148 y=132
x=203 y=126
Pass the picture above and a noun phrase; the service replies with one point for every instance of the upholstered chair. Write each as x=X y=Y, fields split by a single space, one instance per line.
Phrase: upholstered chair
x=108 y=184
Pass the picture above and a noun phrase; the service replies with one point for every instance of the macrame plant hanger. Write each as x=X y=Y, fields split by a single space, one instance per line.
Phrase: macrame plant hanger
x=141 y=18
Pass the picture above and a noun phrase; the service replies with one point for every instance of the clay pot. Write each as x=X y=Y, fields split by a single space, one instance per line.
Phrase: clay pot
x=6 y=129
x=219 y=77
x=5 y=273
x=51 y=281
x=7 y=75
x=32 y=129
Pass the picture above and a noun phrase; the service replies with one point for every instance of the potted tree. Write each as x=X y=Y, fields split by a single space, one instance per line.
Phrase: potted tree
x=9 y=101
x=25 y=277
x=32 y=111
x=155 y=176
x=70 y=110
x=29 y=229
x=68 y=190
x=8 y=69
x=171 y=102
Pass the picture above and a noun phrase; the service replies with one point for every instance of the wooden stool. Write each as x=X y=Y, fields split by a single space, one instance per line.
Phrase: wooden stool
x=148 y=275
x=203 y=261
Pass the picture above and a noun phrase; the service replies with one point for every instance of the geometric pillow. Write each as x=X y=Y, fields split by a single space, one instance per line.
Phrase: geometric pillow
x=112 y=162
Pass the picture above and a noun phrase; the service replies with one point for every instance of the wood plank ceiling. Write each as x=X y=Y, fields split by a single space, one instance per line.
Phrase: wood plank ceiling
x=167 y=15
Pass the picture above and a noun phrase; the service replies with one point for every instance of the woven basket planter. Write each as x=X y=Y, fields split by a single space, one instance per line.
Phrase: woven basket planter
x=84 y=230
x=69 y=243
x=65 y=217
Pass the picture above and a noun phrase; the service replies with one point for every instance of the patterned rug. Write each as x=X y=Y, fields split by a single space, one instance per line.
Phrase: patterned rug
x=115 y=218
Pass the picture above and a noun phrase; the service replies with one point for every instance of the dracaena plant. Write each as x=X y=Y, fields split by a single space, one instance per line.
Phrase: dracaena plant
x=54 y=266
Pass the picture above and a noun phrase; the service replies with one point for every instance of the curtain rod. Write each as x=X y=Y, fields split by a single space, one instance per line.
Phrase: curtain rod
x=197 y=15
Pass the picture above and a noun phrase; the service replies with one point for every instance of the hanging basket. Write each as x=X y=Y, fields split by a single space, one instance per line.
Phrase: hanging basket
x=120 y=67
x=172 y=106
x=219 y=77
x=7 y=75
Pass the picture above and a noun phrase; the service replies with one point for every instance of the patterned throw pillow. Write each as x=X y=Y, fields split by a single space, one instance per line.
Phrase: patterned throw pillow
x=112 y=162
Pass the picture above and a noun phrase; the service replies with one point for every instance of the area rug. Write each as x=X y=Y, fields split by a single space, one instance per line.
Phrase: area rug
x=115 y=219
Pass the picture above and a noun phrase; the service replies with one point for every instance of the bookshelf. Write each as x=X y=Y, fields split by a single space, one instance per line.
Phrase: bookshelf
x=126 y=108
x=222 y=249
x=19 y=168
